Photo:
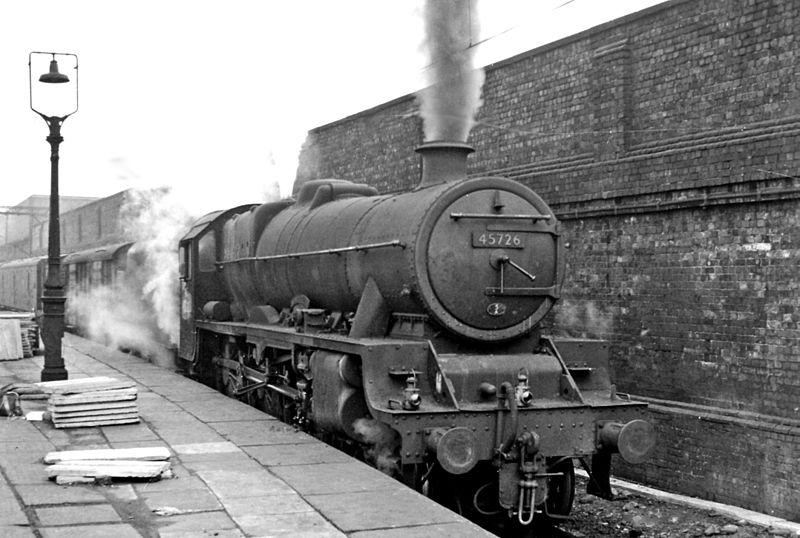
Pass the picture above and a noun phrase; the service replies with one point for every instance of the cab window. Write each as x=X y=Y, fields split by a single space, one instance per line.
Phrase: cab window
x=183 y=261
x=207 y=253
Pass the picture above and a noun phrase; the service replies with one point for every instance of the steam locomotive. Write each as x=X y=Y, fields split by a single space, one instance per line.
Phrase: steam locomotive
x=417 y=316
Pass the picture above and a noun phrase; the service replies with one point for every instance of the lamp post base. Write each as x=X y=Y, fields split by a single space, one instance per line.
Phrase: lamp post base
x=52 y=332
x=54 y=374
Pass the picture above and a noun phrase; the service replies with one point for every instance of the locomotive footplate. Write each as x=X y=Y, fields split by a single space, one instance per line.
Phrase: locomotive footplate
x=565 y=431
x=423 y=395
x=522 y=414
x=475 y=392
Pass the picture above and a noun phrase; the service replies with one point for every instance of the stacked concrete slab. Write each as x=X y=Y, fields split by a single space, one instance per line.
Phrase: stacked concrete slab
x=94 y=401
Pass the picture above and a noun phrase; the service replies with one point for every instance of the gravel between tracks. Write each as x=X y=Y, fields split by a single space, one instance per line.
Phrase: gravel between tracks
x=634 y=515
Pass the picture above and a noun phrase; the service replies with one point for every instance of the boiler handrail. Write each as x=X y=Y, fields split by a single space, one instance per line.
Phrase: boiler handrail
x=341 y=250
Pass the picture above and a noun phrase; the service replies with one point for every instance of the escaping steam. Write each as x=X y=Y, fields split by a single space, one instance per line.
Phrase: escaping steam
x=156 y=222
x=383 y=443
x=139 y=309
x=450 y=102
x=117 y=316
x=583 y=320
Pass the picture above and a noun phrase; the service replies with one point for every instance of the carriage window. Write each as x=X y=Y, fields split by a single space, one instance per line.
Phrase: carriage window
x=82 y=276
x=107 y=272
x=207 y=252
x=96 y=275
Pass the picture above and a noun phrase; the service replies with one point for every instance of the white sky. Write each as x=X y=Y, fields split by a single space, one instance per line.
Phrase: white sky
x=214 y=98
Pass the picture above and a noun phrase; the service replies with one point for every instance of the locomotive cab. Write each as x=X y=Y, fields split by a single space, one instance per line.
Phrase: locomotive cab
x=199 y=279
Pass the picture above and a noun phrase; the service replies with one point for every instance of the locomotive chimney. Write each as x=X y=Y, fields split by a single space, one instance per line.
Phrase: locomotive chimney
x=443 y=161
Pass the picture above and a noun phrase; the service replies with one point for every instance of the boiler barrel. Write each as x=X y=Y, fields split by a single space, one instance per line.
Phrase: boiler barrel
x=433 y=250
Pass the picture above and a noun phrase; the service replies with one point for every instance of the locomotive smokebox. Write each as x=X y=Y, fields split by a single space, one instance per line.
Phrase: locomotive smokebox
x=443 y=161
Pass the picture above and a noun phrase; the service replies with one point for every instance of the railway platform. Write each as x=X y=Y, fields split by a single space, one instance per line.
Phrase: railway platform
x=237 y=471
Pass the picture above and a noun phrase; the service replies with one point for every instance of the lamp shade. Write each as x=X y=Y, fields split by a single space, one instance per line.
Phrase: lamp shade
x=54 y=77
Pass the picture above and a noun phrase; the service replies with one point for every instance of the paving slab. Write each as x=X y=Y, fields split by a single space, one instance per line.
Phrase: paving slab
x=189 y=500
x=40 y=494
x=186 y=432
x=182 y=480
x=21 y=452
x=180 y=390
x=219 y=461
x=11 y=513
x=16 y=531
x=209 y=522
x=226 y=533
x=222 y=409
x=269 y=432
x=448 y=530
x=135 y=444
x=219 y=447
x=296 y=454
x=24 y=473
x=151 y=403
x=17 y=430
x=321 y=479
x=285 y=503
x=130 y=432
x=168 y=420
x=59 y=438
x=91 y=531
x=305 y=524
x=120 y=492
x=72 y=515
x=86 y=437
x=236 y=484
x=381 y=509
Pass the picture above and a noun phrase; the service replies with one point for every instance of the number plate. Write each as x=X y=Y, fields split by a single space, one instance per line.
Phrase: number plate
x=498 y=240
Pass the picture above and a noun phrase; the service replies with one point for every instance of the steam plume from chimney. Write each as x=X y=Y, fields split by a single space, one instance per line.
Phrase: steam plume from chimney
x=449 y=104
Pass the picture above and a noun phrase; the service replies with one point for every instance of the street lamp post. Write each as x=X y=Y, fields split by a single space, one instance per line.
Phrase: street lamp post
x=53 y=298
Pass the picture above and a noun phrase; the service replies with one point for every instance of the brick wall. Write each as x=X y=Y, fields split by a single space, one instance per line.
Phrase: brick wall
x=711 y=450
x=667 y=143
x=707 y=298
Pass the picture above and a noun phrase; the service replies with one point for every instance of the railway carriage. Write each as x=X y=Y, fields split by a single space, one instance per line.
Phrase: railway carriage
x=21 y=284
x=91 y=269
